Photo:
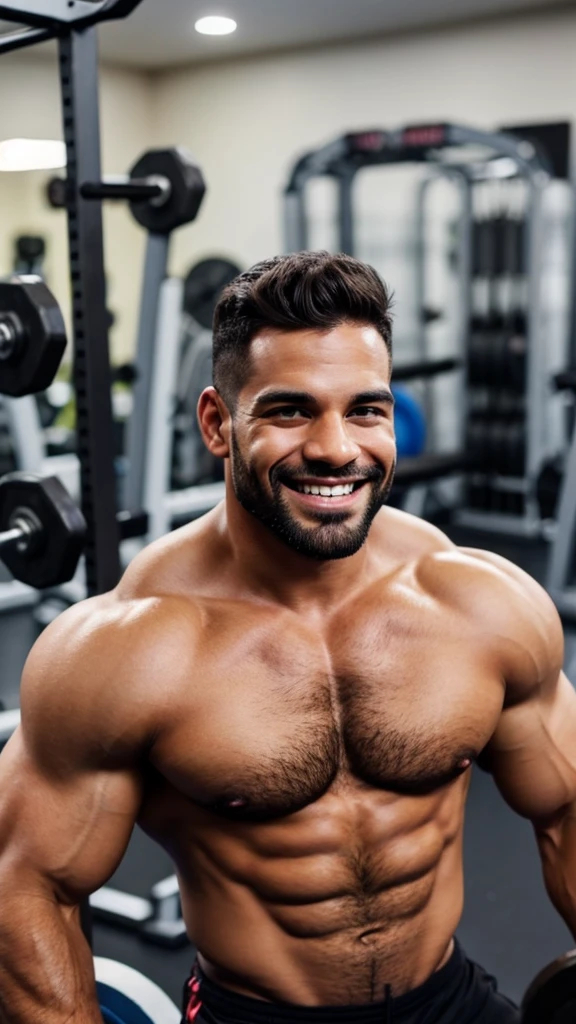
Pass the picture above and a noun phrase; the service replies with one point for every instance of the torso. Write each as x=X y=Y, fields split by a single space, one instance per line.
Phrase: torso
x=311 y=791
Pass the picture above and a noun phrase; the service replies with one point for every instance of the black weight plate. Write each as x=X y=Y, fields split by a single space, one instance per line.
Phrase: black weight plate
x=53 y=560
x=204 y=285
x=551 y=997
x=35 y=363
x=186 y=195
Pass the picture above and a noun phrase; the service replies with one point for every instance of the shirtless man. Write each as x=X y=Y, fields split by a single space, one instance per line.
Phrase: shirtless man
x=288 y=695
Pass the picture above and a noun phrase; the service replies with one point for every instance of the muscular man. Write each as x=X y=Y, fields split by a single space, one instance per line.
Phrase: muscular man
x=288 y=695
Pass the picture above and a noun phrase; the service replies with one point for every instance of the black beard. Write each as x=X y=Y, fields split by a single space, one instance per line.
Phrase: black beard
x=332 y=538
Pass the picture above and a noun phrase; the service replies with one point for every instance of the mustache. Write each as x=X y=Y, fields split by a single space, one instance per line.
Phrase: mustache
x=321 y=471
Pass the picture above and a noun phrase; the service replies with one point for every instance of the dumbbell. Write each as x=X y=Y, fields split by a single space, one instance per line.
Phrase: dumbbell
x=42 y=531
x=165 y=189
x=128 y=997
x=551 y=998
x=32 y=336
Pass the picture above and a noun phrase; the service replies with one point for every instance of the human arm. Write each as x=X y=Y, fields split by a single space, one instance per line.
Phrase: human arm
x=70 y=790
x=532 y=754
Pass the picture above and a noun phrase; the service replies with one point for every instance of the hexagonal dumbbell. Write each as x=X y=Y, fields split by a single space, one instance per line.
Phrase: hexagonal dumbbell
x=42 y=531
x=32 y=336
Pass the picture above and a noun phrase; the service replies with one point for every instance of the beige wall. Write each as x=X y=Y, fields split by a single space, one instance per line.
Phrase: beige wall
x=30 y=107
x=246 y=120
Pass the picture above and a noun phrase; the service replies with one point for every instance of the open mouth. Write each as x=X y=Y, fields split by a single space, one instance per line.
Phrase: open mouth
x=324 y=491
x=319 y=494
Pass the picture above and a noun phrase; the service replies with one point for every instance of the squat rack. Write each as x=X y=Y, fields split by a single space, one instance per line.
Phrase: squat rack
x=73 y=24
x=444 y=147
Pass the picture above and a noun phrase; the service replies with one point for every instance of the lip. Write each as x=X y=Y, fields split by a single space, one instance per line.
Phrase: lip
x=323 y=504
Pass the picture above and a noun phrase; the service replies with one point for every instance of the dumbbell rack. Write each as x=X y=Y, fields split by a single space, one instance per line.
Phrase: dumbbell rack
x=509 y=421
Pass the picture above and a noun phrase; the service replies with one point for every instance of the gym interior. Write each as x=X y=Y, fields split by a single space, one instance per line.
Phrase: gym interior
x=436 y=144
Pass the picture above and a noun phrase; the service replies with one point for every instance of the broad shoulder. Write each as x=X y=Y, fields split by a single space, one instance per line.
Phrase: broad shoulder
x=502 y=605
x=502 y=609
x=97 y=678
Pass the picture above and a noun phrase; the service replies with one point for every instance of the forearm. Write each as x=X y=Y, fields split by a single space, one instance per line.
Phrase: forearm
x=46 y=966
x=557 y=843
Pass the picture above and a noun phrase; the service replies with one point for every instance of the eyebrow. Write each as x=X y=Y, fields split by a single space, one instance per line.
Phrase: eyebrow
x=383 y=395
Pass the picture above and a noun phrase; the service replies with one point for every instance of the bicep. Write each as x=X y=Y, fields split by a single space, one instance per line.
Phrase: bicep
x=70 y=777
x=532 y=754
x=64 y=826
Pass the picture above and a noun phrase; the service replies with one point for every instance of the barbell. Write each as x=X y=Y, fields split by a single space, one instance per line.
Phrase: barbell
x=165 y=189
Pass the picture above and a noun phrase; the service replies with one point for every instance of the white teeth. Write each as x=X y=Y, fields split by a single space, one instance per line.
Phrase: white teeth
x=327 y=492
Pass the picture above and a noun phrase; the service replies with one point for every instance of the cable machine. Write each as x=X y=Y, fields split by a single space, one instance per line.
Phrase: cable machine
x=506 y=366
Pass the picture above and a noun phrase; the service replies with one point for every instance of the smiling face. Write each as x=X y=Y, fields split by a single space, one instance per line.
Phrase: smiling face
x=311 y=445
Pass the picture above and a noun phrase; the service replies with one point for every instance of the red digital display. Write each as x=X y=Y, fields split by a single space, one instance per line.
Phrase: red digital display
x=368 y=142
x=424 y=136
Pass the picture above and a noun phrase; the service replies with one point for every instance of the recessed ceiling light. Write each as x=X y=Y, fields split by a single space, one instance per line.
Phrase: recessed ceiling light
x=32 y=155
x=215 y=26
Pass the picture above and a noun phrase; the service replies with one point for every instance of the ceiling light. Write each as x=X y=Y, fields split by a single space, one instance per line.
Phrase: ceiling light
x=215 y=26
x=32 y=155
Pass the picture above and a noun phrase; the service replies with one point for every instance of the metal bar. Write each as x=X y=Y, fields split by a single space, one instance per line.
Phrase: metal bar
x=537 y=370
x=331 y=157
x=194 y=501
x=78 y=13
x=26 y=433
x=136 y=191
x=120 y=907
x=92 y=377
x=561 y=563
x=157 y=438
x=19 y=40
x=424 y=369
x=420 y=283
x=148 y=350
x=346 y=211
x=294 y=222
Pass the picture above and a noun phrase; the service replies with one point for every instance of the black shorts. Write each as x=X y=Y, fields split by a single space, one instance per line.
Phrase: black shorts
x=461 y=992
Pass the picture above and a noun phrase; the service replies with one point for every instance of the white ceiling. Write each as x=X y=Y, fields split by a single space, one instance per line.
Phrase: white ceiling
x=161 y=32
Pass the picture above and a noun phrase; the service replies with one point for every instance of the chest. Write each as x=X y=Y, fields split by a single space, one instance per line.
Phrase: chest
x=402 y=706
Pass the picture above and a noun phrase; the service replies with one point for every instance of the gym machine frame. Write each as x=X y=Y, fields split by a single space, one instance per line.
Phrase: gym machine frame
x=72 y=23
x=343 y=158
x=560 y=580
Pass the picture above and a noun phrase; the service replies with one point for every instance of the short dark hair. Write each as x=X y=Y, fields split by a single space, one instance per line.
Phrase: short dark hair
x=301 y=291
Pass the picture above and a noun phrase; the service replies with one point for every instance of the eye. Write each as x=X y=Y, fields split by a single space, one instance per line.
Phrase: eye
x=367 y=412
x=287 y=412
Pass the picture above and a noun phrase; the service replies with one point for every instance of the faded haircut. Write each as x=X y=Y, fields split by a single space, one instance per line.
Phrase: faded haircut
x=301 y=291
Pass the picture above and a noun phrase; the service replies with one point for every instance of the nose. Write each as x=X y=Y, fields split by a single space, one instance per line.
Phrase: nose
x=329 y=441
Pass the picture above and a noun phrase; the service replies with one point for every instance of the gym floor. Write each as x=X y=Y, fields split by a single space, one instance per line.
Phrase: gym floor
x=509 y=925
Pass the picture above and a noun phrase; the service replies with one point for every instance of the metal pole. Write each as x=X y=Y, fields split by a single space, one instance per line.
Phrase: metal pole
x=147 y=352
x=92 y=378
x=346 y=211
x=295 y=227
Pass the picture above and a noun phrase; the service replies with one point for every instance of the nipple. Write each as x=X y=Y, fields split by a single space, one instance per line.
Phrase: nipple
x=464 y=764
x=238 y=801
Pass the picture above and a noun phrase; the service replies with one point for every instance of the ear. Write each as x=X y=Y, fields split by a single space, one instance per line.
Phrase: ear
x=214 y=422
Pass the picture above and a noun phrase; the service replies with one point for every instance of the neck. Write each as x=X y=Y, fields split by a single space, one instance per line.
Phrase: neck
x=272 y=570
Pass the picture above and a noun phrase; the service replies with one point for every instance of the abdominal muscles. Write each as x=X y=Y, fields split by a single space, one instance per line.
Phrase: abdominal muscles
x=328 y=906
